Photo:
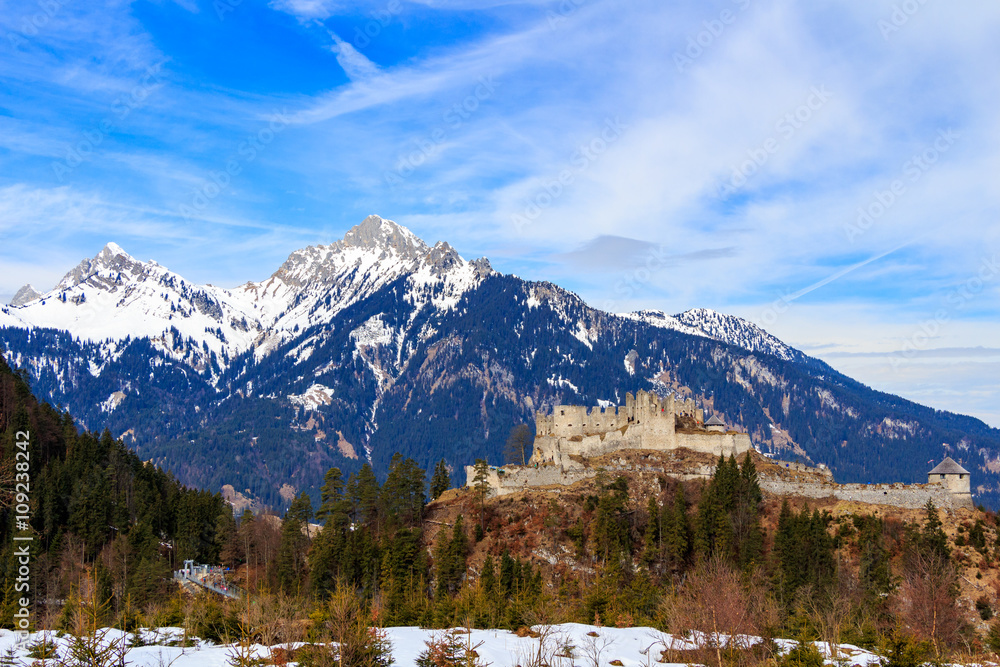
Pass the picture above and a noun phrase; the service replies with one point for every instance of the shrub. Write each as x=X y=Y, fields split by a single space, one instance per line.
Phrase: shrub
x=984 y=608
x=803 y=654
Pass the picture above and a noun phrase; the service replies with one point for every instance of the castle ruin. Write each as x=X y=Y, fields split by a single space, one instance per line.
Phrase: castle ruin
x=646 y=421
x=571 y=434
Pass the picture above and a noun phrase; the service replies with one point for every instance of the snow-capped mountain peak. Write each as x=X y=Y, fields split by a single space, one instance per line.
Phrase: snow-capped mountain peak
x=26 y=294
x=111 y=258
x=721 y=327
x=377 y=232
x=317 y=282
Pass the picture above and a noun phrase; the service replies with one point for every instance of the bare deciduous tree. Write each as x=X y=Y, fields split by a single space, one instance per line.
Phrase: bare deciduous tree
x=926 y=600
x=715 y=601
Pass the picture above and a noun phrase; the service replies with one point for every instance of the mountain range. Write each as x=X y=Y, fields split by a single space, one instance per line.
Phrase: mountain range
x=380 y=343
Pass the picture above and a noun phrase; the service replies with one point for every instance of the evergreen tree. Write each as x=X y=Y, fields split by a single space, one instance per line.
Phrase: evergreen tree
x=508 y=576
x=294 y=545
x=331 y=493
x=449 y=558
x=363 y=491
x=933 y=540
x=611 y=529
x=488 y=576
x=480 y=482
x=441 y=481
x=402 y=495
x=652 y=544
x=874 y=574
x=677 y=532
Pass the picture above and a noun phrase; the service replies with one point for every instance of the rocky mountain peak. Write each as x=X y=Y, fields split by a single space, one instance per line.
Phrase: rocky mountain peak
x=26 y=294
x=377 y=232
x=112 y=256
x=443 y=257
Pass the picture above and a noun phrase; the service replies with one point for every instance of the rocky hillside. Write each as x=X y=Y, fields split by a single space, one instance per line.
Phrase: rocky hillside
x=381 y=343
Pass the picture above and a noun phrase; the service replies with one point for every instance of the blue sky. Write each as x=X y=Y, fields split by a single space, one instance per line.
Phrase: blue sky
x=647 y=154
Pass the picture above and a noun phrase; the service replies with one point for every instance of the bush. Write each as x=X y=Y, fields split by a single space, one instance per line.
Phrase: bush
x=984 y=608
x=803 y=654
x=901 y=650
x=993 y=637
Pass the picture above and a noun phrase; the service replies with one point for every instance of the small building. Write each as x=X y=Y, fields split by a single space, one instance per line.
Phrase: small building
x=715 y=424
x=953 y=477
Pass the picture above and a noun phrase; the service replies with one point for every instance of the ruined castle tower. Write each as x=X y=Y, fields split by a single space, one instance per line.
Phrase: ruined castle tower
x=955 y=478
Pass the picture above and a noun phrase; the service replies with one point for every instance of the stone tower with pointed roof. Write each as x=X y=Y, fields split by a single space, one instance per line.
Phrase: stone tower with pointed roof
x=714 y=423
x=955 y=478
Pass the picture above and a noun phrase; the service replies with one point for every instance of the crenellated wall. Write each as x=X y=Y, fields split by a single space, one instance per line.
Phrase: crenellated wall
x=571 y=434
x=646 y=421
x=911 y=496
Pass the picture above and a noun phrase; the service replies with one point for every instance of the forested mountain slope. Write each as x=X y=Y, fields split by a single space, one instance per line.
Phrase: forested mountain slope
x=381 y=343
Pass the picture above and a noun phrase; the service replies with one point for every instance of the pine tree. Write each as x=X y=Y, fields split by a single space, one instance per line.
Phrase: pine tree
x=294 y=544
x=874 y=574
x=331 y=494
x=488 y=576
x=441 y=481
x=363 y=491
x=480 y=482
x=402 y=496
x=932 y=538
x=651 y=539
x=677 y=531
x=508 y=578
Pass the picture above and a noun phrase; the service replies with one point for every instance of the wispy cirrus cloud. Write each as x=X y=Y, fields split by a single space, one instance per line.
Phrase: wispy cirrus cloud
x=398 y=123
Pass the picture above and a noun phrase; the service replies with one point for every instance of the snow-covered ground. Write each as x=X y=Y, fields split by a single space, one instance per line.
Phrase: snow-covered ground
x=586 y=644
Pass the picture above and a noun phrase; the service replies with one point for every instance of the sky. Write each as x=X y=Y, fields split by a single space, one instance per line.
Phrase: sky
x=828 y=170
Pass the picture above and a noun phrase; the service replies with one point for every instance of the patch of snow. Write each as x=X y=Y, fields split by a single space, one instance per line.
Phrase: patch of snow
x=315 y=396
x=562 y=382
x=629 y=647
x=373 y=332
x=112 y=401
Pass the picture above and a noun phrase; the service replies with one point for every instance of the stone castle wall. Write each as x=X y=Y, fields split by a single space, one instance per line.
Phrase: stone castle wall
x=714 y=443
x=646 y=421
x=910 y=496
x=571 y=434
x=505 y=481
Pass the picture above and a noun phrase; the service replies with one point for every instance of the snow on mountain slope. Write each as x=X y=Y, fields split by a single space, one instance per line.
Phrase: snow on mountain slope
x=114 y=295
x=316 y=283
x=658 y=318
x=721 y=327
x=8 y=319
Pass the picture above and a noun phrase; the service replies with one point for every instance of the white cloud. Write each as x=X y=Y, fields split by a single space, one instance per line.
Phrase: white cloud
x=305 y=9
x=355 y=64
